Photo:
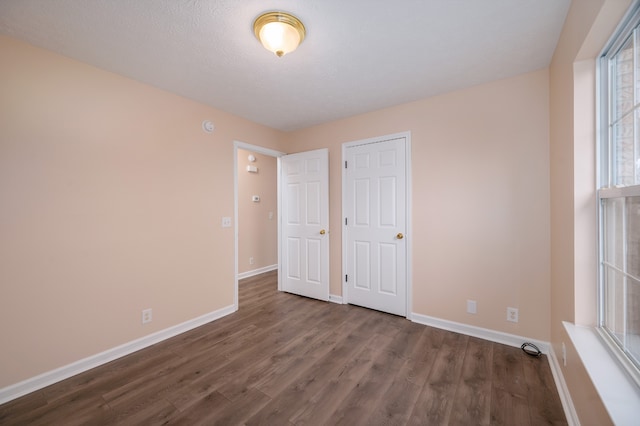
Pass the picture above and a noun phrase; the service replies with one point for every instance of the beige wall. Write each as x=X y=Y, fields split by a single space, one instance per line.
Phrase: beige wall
x=480 y=175
x=114 y=196
x=573 y=215
x=257 y=232
x=111 y=198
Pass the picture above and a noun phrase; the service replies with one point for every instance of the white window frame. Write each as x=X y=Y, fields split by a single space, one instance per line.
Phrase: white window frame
x=606 y=188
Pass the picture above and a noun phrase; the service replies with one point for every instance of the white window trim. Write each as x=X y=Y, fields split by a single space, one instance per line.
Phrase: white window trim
x=609 y=352
x=617 y=390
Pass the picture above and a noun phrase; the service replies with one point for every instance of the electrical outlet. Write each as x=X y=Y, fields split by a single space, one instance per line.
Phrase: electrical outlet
x=226 y=222
x=472 y=307
x=251 y=262
x=512 y=314
x=564 y=354
x=146 y=316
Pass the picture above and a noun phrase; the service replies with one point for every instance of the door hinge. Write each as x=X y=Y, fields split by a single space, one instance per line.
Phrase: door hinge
x=345 y=221
x=345 y=164
x=346 y=278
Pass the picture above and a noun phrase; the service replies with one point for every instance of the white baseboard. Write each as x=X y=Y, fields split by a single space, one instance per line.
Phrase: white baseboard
x=258 y=271
x=516 y=341
x=50 y=377
x=482 y=333
x=335 y=299
x=565 y=397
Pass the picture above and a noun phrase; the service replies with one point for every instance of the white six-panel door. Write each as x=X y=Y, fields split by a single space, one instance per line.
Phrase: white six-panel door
x=375 y=244
x=305 y=223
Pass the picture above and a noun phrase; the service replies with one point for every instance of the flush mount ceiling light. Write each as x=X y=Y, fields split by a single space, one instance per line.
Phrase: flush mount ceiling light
x=279 y=32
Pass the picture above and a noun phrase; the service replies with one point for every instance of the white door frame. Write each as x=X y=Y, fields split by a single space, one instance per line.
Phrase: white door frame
x=345 y=146
x=260 y=150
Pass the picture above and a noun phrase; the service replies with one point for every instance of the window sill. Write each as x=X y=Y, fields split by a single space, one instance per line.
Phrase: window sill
x=619 y=394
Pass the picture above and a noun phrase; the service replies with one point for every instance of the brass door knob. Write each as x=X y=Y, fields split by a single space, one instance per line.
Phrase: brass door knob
x=399 y=236
x=322 y=232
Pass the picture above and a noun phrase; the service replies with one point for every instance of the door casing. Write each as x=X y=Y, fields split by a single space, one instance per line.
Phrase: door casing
x=261 y=150
x=407 y=265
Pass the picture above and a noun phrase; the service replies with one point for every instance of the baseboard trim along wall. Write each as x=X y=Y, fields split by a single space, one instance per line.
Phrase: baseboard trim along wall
x=565 y=397
x=38 y=382
x=258 y=271
x=482 y=333
x=515 y=341
x=335 y=299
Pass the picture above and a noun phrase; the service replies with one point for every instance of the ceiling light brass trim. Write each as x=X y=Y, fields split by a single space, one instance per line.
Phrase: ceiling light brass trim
x=283 y=17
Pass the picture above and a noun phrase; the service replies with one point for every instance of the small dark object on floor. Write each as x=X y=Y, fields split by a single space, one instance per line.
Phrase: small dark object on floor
x=531 y=349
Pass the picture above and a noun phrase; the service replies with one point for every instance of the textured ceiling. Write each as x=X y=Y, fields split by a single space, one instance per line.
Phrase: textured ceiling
x=359 y=55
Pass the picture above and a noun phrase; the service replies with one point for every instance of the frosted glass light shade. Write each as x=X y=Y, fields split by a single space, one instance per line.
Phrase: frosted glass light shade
x=279 y=32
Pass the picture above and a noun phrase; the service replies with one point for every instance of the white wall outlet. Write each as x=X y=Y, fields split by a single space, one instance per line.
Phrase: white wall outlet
x=512 y=314
x=564 y=354
x=472 y=307
x=226 y=222
x=270 y=215
x=147 y=316
x=251 y=262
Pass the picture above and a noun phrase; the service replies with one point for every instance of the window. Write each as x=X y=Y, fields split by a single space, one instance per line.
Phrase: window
x=619 y=193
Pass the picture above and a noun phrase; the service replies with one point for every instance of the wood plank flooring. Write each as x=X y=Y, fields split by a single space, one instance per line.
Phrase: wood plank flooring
x=285 y=360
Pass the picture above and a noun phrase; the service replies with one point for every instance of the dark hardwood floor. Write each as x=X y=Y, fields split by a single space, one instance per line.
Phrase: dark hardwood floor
x=284 y=359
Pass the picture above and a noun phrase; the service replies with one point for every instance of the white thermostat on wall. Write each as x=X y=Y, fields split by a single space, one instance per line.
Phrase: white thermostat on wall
x=255 y=198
